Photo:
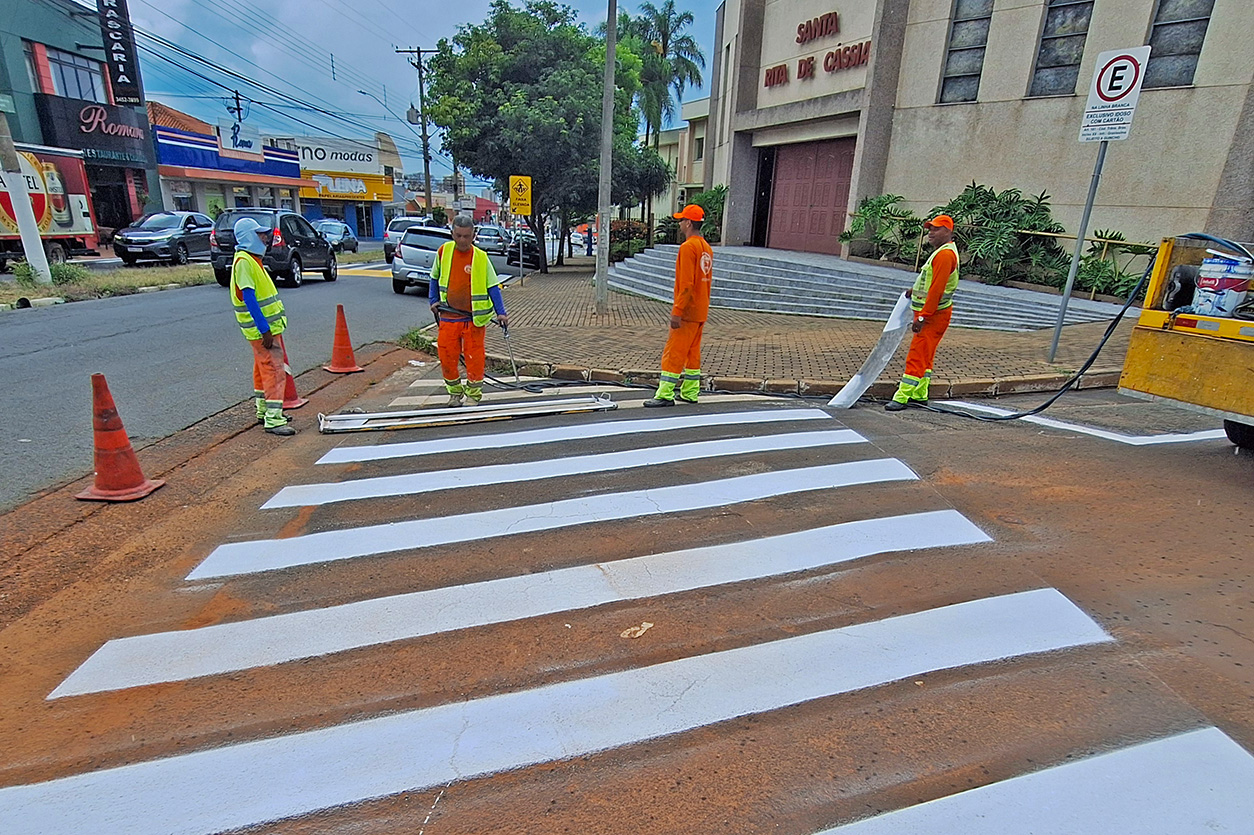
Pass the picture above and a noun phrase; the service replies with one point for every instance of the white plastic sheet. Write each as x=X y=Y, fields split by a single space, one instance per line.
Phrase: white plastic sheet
x=896 y=327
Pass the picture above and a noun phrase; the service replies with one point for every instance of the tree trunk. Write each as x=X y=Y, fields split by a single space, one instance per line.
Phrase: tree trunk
x=537 y=229
x=648 y=228
x=562 y=233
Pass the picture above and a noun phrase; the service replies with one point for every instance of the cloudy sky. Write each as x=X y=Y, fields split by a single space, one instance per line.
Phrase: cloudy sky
x=288 y=45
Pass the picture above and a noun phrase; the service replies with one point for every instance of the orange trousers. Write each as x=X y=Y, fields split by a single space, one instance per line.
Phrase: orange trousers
x=269 y=378
x=461 y=340
x=681 y=362
x=918 y=377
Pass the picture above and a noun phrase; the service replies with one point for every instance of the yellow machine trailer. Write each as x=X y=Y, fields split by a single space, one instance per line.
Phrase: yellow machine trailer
x=1204 y=363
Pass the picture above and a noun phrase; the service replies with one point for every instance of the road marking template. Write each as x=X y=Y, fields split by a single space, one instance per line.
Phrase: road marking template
x=240 y=785
x=211 y=650
x=271 y=554
x=580 y=431
x=302 y=495
x=1183 y=784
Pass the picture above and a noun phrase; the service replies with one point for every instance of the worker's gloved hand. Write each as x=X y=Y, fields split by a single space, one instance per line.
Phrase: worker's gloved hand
x=675 y=322
x=503 y=320
x=906 y=295
x=267 y=340
x=435 y=312
x=918 y=323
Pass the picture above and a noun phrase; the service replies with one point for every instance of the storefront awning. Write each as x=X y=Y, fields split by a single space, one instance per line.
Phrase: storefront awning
x=180 y=173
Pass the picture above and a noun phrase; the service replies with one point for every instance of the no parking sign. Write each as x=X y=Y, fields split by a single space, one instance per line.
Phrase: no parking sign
x=1113 y=96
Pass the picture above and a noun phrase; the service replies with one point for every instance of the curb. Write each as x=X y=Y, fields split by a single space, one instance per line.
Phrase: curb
x=53 y=300
x=959 y=387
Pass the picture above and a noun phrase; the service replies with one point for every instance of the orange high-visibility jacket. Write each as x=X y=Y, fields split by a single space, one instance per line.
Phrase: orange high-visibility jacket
x=693 y=271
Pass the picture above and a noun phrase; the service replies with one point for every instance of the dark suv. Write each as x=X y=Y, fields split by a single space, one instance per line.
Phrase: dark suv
x=292 y=245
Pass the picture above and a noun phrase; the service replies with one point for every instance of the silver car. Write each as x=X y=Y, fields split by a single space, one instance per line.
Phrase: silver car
x=492 y=239
x=395 y=229
x=411 y=266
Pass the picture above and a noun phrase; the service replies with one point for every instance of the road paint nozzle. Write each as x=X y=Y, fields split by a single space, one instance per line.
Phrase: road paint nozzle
x=342 y=359
x=118 y=476
x=291 y=400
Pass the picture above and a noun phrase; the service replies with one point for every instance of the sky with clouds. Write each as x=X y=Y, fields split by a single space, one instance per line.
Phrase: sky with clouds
x=288 y=45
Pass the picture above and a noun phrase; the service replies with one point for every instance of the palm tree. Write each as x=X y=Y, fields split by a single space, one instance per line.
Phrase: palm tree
x=681 y=58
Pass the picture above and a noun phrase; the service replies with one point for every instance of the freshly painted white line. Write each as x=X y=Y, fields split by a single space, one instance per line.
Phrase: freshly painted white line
x=438 y=386
x=1131 y=440
x=212 y=650
x=301 y=495
x=1197 y=782
x=269 y=779
x=496 y=396
x=582 y=431
x=272 y=554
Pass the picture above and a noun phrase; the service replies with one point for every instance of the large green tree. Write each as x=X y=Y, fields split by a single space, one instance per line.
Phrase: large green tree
x=520 y=93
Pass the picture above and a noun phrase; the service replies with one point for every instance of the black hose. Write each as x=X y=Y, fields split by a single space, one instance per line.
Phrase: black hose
x=1110 y=330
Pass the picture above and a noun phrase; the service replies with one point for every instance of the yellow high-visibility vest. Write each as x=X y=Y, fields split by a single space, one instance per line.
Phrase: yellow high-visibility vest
x=481 y=309
x=918 y=295
x=267 y=296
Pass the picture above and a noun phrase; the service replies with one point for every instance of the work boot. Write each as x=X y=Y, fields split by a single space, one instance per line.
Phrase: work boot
x=285 y=430
x=454 y=400
x=894 y=406
x=655 y=402
x=682 y=399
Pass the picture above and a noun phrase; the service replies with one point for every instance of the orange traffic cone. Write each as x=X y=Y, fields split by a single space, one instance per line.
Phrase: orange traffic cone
x=291 y=400
x=118 y=477
x=342 y=360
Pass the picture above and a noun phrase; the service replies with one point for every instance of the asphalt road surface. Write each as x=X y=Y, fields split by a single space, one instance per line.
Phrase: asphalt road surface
x=170 y=358
x=751 y=615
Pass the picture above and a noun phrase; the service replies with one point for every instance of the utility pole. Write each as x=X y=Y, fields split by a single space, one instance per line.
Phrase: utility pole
x=19 y=196
x=416 y=62
x=607 y=160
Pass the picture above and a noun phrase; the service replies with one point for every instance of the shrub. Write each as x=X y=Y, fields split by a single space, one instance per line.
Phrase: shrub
x=881 y=228
x=61 y=273
x=622 y=231
x=712 y=201
x=989 y=228
x=439 y=215
x=667 y=231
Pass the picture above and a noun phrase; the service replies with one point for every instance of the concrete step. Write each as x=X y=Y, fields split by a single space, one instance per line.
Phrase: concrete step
x=817 y=298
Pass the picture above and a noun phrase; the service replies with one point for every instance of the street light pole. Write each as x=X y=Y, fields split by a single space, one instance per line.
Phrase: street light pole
x=607 y=161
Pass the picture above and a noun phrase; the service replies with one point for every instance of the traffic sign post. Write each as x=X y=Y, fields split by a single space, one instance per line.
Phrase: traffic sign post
x=520 y=204
x=1113 y=95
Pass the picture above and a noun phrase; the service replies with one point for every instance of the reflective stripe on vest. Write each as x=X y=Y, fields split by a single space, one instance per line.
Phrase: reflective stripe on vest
x=481 y=309
x=267 y=297
x=918 y=295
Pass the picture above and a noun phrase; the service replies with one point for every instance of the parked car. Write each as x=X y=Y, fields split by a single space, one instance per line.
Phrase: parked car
x=396 y=228
x=492 y=239
x=176 y=237
x=338 y=235
x=414 y=256
x=292 y=246
x=530 y=251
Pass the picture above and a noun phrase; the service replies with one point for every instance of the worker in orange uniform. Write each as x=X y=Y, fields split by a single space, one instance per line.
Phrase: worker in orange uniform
x=681 y=358
x=931 y=299
x=464 y=293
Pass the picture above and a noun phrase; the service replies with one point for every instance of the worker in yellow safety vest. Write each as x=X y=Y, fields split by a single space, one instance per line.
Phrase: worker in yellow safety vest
x=260 y=316
x=932 y=300
x=464 y=293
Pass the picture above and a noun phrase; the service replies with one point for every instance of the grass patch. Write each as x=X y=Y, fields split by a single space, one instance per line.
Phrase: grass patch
x=365 y=256
x=104 y=284
x=417 y=340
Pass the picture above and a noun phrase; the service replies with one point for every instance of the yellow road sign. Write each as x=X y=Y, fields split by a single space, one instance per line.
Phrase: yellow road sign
x=520 y=195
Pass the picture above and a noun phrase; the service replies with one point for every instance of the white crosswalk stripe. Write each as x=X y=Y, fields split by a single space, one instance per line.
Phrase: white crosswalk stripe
x=240 y=785
x=1185 y=783
x=438 y=398
x=1196 y=782
x=184 y=654
x=582 y=431
x=271 y=554
x=410 y=483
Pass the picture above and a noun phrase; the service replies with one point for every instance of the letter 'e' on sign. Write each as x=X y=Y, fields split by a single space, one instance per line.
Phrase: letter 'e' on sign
x=1116 y=87
x=520 y=195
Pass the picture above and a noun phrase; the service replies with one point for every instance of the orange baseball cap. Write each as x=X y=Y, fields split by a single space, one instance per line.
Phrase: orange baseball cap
x=691 y=212
x=941 y=220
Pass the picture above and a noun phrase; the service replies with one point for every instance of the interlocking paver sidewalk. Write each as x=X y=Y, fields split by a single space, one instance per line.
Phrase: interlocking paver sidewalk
x=553 y=322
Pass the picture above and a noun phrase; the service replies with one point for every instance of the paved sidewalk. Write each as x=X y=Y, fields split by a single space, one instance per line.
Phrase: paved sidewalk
x=554 y=324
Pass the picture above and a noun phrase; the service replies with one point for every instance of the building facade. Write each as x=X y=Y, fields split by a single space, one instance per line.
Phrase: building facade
x=207 y=169
x=816 y=105
x=56 y=92
x=352 y=179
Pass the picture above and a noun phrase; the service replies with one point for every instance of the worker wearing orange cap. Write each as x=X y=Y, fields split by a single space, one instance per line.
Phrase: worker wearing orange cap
x=932 y=299
x=681 y=358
